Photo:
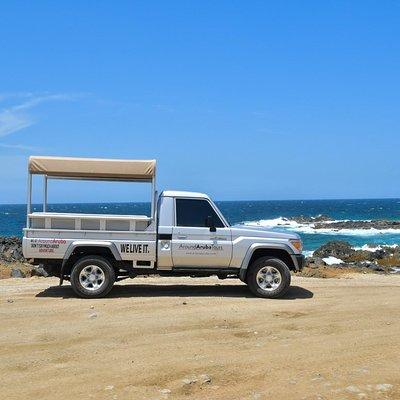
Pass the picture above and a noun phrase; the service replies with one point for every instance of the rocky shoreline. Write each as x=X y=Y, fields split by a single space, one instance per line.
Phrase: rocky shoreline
x=326 y=222
x=334 y=255
x=11 y=249
x=12 y=262
x=340 y=254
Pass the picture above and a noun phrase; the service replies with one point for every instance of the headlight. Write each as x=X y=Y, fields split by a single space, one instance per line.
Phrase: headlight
x=297 y=244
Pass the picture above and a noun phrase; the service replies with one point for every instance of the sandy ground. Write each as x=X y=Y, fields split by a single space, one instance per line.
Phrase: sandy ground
x=180 y=338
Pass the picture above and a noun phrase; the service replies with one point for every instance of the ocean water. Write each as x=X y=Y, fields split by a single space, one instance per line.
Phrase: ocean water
x=270 y=214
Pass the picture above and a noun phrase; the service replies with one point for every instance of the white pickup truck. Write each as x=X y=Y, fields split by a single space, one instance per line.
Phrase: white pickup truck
x=185 y=235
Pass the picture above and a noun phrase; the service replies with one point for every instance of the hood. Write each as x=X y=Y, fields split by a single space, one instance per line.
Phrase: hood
x=259 y=231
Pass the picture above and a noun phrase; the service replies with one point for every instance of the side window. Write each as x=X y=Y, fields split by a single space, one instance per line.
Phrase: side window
x=193 y=212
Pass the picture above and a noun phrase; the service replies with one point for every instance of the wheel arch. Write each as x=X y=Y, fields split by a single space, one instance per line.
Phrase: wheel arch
x=276 y=250
x=79 y=249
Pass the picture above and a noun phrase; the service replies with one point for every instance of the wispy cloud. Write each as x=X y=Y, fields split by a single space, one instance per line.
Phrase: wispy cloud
x=17 y=117
x=19 y=147
x=11 y=122
x=15 y=95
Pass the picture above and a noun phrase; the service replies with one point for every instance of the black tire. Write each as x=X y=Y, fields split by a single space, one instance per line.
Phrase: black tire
x=107 y=279
x=276 y=264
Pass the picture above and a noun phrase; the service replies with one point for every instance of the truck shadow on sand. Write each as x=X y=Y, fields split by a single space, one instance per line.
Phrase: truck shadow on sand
x=181 y=290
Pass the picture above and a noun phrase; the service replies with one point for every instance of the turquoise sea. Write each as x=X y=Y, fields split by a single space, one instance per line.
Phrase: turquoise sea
x=269 y=214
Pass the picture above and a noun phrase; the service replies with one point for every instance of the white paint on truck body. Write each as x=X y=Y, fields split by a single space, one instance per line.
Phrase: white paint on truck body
x=179 y=237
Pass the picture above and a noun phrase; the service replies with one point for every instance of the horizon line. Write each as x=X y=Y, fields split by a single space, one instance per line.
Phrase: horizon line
x=217 y=201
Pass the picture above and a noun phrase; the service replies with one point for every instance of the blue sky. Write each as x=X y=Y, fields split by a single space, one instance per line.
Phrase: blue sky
x=239 y=99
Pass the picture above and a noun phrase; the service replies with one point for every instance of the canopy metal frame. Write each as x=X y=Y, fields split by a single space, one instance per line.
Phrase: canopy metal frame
x=46 y=179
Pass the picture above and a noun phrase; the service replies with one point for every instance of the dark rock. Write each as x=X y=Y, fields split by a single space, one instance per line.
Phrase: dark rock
x=302 y=219
x=361 y=255
x=11 y=249
x=370 y=265
x=375 y=267
x=361 y=264
x=379 y=254
x=39 y=271
x=347 y=265
x=375 y=224
x=314 y=262
x=17 y=255
x=337 y=248
x=326 y=222
x=17 y=273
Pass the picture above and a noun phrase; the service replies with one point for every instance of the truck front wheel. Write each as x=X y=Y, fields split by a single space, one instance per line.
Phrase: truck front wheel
x=92 y=277
x=268 y=277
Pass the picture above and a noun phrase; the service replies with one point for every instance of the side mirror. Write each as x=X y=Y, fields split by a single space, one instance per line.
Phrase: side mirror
x=210 y=224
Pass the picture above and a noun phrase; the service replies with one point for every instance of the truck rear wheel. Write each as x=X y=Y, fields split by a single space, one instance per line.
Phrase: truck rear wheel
x=92 y=277
x=268 y=277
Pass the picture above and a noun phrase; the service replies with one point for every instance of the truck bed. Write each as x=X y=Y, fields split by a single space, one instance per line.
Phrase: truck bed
x=88 y=222
x=51 y=234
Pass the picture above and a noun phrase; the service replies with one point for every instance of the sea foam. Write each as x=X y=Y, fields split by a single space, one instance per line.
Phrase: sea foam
x=309 y=227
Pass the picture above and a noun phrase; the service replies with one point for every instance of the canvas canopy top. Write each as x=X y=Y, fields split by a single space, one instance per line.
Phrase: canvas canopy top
x=93 y=168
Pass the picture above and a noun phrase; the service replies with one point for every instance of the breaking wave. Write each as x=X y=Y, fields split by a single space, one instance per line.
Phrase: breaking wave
x=309 y=227
x=367 y=247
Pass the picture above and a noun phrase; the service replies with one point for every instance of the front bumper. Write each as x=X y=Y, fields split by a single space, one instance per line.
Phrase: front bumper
x=300 y=261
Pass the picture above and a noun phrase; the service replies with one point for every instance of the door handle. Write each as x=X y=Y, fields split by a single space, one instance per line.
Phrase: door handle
x=182 y=237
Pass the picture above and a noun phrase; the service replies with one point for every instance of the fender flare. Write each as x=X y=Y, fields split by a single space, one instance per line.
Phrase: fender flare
x=84 y=243
x=266 y=246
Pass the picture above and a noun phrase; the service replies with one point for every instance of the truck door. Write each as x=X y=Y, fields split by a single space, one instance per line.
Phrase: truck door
x=199 y=237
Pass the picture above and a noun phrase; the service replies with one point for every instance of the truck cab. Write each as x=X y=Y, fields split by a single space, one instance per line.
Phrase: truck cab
x=200 y=237
x=186 y=234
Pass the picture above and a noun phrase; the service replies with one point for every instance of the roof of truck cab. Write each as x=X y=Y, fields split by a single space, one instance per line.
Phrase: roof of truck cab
x=179 y=193
x=93 y=168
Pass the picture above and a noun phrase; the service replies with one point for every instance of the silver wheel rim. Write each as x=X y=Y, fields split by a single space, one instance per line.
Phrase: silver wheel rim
x=268 y=278
x=92 y=277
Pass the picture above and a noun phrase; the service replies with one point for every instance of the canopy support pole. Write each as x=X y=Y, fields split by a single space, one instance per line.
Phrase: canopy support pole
x=29 y=200
x=44 y=193
x=153 y=197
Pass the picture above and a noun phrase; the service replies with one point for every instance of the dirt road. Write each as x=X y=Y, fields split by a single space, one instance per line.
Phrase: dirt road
x=181 y=338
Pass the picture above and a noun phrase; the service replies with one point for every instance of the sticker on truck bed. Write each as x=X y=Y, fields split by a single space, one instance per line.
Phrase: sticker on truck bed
x=46 y=245
x=133 y=248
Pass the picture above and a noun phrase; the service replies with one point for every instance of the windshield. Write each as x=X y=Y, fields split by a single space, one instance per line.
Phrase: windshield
x=222 y=215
